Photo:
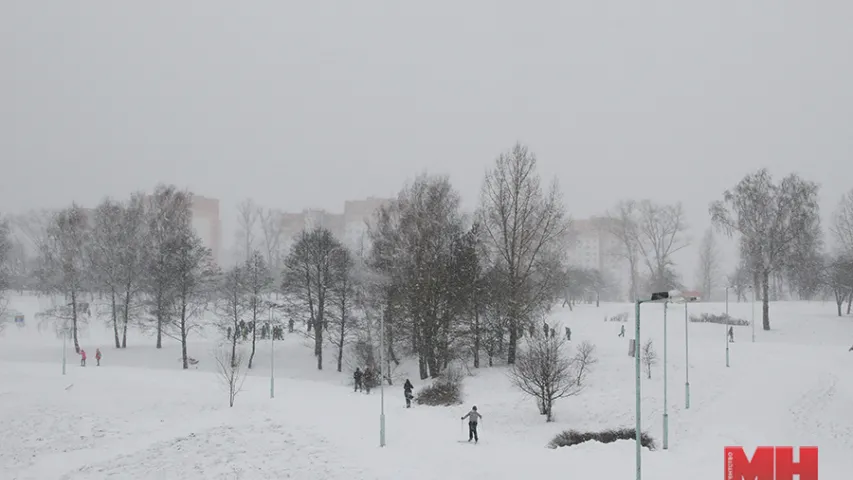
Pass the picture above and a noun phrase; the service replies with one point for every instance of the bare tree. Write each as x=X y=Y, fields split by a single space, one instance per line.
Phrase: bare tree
x=106 y=246
x=838 y=278
x=709 y=264
x=33 y=225
x=5 y=248
x=168 y=214
x=195 y=275
x=622 y=225
x=272 y=229
x=64 y=266
x=247 y=219
x=649 y=357
x=232 y=374
x=132 y=260
x=231 y=306
x=661 y=234
x=543 y=371
x=308 y=275
x=525 y=229
x=342 y=298
x=258 y=283
x=777 y=224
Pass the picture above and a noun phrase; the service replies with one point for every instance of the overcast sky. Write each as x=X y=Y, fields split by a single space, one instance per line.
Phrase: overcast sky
x=310 y=103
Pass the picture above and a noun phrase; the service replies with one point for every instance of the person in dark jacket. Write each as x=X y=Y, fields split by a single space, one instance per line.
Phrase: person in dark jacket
x=731 y=334
x=407 y=391
x=367 y=379
x=473 y=419
x=356 y=376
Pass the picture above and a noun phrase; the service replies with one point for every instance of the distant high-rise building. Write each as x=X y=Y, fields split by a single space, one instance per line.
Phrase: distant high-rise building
x=207 y=224
x=592 y=246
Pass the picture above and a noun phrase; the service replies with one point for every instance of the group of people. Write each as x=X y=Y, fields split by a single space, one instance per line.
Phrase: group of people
x=83 y=357
x=243 y=329
x=364 y=380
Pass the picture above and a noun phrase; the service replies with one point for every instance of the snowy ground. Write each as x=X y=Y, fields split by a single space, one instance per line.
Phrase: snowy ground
x=140 y=417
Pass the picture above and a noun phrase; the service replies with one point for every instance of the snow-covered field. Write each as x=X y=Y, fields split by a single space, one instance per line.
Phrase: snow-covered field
x=139 y=416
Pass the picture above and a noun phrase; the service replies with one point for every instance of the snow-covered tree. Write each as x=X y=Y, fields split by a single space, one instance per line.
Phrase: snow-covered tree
x=525 y=229
x=258 y=283
x=777 y=224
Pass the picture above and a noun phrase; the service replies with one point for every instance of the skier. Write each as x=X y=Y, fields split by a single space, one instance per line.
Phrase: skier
x=356 y=376
x=407 y=391
x=732 y=334
x=568 y=334
x=82 y=358
x=622 y=331
x=473 y=418
x=98 y=357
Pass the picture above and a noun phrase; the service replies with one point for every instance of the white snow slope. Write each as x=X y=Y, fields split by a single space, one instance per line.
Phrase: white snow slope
x=139 y=416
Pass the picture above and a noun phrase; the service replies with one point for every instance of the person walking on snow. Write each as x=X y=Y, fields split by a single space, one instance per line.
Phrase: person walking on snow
x=367 y=380
x=356 y=376
x=473 y=418
x=98 y=357
x=622 y=331
x=568 y=334
x=407 y=391
x=732 y=334
x=82 y=358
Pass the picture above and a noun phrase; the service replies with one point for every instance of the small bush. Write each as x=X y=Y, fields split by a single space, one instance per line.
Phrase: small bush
x=444 y=391
x=721 y=319
x=621 y=318
x=573 y=437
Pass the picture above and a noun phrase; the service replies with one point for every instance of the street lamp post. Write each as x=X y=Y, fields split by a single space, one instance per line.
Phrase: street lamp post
x=686 y=360
x=382 y=381
x=271 y=306
x=665 y=384
x=727 y=325
x=659 y=297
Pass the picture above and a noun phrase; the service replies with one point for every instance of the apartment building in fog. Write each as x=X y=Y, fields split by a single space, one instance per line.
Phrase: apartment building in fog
x=592 y=246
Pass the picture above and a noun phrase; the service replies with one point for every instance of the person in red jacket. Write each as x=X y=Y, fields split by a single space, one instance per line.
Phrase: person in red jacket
x=82 y=358
x=98 y=357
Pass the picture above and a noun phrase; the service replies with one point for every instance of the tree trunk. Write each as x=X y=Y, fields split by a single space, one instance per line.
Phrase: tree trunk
x=126 y=318
x=115 y=316
x=765 y=301
x=74 y=320
x=513 y=343
x=160 y=307
x=476 y=337
x=849 y=301
x=318 y=332
x=254 y=330
x=839 y=301
x=184 y=334
x=341 y=338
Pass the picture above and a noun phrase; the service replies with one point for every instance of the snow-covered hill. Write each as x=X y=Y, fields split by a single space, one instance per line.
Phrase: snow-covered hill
x=140 y=417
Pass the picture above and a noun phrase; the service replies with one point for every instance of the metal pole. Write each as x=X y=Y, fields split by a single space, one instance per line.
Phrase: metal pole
x=665 y=406
x=727 y=326
x=753 y=314
x=272 y=356
x=686 y=361
x=637 y=374
x=64 y=344
x=381 y=382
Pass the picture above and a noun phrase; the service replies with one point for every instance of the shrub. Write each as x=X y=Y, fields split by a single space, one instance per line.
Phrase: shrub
x=444 y=391
x=573 y=437
x=721 y=319
x=621 y=318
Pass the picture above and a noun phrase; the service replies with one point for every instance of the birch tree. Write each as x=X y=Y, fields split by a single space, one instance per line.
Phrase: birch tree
x=775 y=223
x=525 y=228
x=195 y=275
x=231 y=306
x=342 y=291
x=169 y=215
x=258 y=283
x=64 y=265
x=5 y=248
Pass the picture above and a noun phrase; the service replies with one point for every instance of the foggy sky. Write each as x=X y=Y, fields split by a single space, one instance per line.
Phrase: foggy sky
x=307 y=104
